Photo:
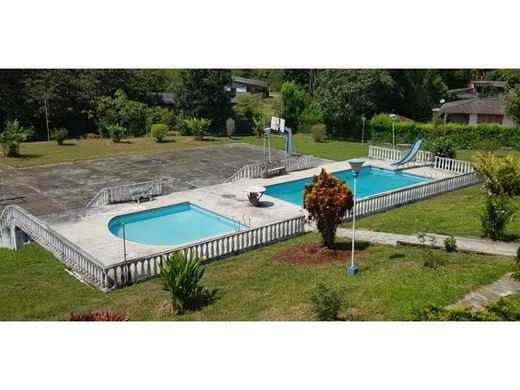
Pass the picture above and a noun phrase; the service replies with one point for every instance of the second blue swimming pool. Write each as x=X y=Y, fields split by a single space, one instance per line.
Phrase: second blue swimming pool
x=371 y=181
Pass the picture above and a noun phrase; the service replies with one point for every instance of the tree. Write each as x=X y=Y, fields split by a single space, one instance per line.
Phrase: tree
x=294 y=102
x=202 y=94
x=327 y=199
x=343 y=94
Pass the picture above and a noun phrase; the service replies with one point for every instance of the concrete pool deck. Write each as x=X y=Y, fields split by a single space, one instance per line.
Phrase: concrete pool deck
x=88 y=228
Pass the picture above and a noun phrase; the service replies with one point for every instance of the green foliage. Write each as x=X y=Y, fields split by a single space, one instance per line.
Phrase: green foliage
x=513 y=104
x=158 y=114
x=159 y=131
x=500 y=175
x=327 y=199
x=259 y=124
x=198 y=127
x=307 y=119
x=326 y=303
x=230 y=127
x=59 y=135
x=181 y=125
x=246 y=108
x=343 y=94
x=12 y=136
x=182 y=278
x=380 y=127
x=201 y=94
x=116 y=132
x=294 y=102
x=498 y=211
x=130 y=114
x=319 y=132
x=504 y=309
x=431 y=258
x=450 y=244
x=442 y=147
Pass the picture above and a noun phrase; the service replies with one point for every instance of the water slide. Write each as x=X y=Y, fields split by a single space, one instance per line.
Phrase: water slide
x=411 y=153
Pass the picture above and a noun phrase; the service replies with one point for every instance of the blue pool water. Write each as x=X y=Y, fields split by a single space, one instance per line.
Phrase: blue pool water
x=171 y=225
x=371 y=181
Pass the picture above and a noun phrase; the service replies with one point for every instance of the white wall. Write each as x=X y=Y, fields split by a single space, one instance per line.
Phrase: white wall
x=473 y=119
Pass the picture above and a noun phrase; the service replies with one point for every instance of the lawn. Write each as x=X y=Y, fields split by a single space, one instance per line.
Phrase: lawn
x=392 y=283
x=44 y=153
x=456 y=213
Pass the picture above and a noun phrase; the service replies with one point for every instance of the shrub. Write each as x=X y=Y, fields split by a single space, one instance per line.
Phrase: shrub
x=503 y=309
x=246 y=108
x=116 y=133
x=59 y=135
x=516 y=273
x=181 y=125
x=498 y=211
x=182 y=278
x=500 y=175
x=327 y=199
x=259 y=124
x=442 y=147
x=319 y=132
x=326 y=303
x=159 y=131
x=12 y=136
x=198 y=127
x=97 y=316
x=431 y=257
x=230 y=127
x=450 y=244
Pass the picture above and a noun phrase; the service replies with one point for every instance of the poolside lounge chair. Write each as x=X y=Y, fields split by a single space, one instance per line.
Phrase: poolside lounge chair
x=411 y=153
x=142 y=191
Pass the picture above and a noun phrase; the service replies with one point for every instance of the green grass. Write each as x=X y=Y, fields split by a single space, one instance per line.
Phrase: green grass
x=45 y=153
x=456 y=213
x=252 y=286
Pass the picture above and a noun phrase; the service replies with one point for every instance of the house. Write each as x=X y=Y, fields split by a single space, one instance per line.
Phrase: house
x=481 y=101
x=474 y=111
x=242 y=86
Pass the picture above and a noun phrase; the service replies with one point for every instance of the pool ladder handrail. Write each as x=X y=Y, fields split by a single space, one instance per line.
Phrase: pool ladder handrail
x=238 y=225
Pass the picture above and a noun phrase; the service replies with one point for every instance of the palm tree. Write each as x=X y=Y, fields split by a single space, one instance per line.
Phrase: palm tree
x=12 y=136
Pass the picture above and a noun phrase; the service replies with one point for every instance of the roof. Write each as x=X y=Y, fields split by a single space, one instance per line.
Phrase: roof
x=249 y=81
x=490 y=106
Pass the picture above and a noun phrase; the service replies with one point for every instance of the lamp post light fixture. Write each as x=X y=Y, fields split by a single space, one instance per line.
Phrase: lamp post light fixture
x=355 y=164
x=363 y=118
x=393 y=117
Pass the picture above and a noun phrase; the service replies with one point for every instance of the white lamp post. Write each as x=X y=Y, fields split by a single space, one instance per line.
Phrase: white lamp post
x=356 y=165
x=363 y=131
x=393 y=117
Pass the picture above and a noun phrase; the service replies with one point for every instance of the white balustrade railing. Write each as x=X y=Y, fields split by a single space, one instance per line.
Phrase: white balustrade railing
x=91 y=269
x=109 y=277
x=122 y=193
x=423 y=156
x=448 y=164
x=147 y=267
x=384 y=153
x=254 y=171
x=389 y=200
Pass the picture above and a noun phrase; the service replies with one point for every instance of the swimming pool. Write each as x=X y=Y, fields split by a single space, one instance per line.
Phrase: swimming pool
x=371 y=181
x=172 y=225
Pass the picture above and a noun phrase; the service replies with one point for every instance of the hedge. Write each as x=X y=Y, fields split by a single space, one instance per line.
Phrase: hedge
x=462 y=136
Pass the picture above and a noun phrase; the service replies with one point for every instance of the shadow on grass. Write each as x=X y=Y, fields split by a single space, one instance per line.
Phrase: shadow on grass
x=347 y=245
x=396 y=256
x=68 y=144
x=510 y=237
x=25 y=157
x=166 y=141
x=206 y=298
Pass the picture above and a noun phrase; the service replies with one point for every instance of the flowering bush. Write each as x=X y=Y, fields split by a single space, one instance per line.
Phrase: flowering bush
x=327 y=199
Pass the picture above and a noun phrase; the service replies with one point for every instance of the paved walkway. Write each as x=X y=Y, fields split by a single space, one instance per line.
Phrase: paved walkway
x=479 y=298
x=464 y=244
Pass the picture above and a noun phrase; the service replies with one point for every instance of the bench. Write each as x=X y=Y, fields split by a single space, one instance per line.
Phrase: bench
x=141 y=192
x=274 y=172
